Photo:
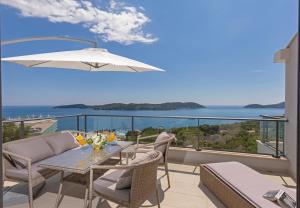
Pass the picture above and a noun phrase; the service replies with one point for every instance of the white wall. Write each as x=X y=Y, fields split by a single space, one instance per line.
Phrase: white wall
x=256 y=161
x=291 y=104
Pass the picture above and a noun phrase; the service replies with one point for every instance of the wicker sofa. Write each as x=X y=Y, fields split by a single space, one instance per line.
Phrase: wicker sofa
x=21 y=158
x=237 y=185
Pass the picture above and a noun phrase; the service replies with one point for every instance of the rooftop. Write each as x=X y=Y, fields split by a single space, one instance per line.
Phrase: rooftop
x=185 y=191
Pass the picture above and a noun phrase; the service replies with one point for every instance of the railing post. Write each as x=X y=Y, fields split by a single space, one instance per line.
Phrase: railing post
x=277 y=155
x=85 y=123
x=21 y=130
x=77 y=122
x=198 y=136
x=132 y=124
x=283 y=137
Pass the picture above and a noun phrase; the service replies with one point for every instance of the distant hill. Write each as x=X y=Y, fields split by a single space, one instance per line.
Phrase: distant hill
x=137 y=106
x=278 y=105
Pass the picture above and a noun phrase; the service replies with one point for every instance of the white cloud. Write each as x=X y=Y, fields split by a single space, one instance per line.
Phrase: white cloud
x=117 y=22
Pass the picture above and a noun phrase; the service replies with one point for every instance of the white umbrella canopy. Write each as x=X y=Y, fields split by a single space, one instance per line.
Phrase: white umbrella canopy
x=89 y=59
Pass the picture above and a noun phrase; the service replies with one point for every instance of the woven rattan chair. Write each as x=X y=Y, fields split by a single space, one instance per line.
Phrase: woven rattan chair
x=162 y=146
x=143 y=183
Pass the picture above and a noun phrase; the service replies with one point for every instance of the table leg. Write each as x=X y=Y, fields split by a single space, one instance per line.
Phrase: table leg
x=127 y=160
x=86 y=194
x=120 y=158
x=59 y=195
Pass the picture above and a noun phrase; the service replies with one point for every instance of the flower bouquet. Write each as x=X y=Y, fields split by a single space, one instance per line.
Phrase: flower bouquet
x=97 y=141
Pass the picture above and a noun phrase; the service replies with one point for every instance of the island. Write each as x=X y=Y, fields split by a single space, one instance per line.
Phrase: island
x=137 y=106
x=277 y=105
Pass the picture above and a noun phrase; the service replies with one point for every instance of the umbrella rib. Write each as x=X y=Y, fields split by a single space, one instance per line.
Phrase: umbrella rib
x=133 y=69
x=91 y=65
x=87 y=63
x=102 y=65
x=38 y=63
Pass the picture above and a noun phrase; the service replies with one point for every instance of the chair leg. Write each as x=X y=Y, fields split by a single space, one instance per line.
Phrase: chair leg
x=90 y=189
x=59 y=189
x=86 y=197
x=167 y=173
x=90 y=196
x=157 y=198
x=30 y=195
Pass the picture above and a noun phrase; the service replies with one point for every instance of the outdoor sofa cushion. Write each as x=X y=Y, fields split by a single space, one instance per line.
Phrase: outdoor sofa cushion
x=61 y=142
x=35 y=149
x=106 y=186
x=125 y=177
x=247 y=182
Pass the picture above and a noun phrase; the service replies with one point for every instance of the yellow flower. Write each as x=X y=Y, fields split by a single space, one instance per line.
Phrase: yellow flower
x=80 y=139
x=111 y=137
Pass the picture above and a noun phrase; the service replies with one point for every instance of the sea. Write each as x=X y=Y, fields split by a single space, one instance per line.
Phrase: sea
x=125 y=123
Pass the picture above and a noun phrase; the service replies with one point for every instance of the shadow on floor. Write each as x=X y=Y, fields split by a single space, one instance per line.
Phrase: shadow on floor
x=209 y=195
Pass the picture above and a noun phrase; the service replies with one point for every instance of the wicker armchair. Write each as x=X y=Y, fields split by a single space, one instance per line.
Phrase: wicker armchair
x=143 y=183
x=161 y=145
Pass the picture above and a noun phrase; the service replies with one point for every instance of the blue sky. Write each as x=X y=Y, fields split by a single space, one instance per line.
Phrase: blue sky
x=215 y=52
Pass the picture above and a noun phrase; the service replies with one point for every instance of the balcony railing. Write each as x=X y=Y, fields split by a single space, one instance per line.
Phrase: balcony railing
x=252 y=135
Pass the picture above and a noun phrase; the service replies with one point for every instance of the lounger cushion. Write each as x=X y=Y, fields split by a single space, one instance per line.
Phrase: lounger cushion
x=106 y=186
x=36 y=150
x=61 y=142
x=39 y=174
x=250 y=184
x=163 y=146
x=125 y=178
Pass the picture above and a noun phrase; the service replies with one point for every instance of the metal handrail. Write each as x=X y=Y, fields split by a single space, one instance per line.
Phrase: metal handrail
x=149 y=116
x=191 y=117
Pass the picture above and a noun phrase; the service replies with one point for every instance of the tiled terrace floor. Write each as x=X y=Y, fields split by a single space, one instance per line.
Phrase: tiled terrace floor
x=185 y=191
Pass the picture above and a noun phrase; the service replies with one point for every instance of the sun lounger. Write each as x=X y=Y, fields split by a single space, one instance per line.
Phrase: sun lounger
x=237 y=185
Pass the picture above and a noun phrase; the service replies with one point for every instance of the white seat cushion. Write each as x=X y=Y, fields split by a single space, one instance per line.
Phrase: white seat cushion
x=106 y=186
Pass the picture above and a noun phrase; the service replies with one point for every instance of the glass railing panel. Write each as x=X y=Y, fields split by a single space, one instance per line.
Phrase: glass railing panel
x=230 y=135
x=224 y=134
x=270 y=130
x=109 y=123
x=215 y=134
x=25 y=129
x=11 y=131
x=68 y=123
x=185 y=129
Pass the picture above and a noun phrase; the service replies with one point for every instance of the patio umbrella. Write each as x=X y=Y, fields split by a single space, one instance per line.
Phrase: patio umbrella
x=89 y=59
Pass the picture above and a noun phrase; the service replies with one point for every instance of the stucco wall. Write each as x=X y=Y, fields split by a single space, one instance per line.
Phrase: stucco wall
x=256 y=161
x=291 y=104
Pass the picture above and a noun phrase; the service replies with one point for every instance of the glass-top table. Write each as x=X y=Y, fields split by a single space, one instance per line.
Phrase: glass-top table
x=80 y=160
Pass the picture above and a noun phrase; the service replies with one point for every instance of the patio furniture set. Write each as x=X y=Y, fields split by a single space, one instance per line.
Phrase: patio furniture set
x=34 y=160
